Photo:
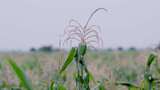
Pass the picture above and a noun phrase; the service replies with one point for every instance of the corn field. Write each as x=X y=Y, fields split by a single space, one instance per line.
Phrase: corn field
x=82 y=67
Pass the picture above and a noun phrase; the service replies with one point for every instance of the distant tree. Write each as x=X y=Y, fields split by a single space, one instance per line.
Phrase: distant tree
x=46 y=48
x=132 y=49
x=32 y=49
x=109 y=49
x=120 y=48
x=158 y=47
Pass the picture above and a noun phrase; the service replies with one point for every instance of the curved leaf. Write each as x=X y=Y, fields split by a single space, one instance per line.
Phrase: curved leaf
x=151 y=58
x=69 y=59
x=20 y=74
x=129 y=85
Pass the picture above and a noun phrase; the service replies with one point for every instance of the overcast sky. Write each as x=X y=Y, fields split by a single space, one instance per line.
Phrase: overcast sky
x=27 y=23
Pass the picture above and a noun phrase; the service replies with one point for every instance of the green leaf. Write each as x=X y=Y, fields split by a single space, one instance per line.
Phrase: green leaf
x=20 y=74
x=69 y=59
x=151 y=58
x=129 y=85
x=51 y=87
x=91 y=77
x=101 y=87
x=57 y=86
x=82 y=49
x=146 y=85
x=61 y=87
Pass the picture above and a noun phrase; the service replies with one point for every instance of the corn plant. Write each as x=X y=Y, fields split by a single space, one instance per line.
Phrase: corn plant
x=149 y=82
x=86 y=36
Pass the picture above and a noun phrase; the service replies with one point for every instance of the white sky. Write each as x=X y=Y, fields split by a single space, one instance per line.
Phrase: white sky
x=27 y=23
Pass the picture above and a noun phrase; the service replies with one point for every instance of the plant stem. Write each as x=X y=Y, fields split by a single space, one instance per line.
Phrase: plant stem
x=82 y=77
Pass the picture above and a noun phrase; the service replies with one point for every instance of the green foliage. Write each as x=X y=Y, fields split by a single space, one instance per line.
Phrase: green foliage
x=56 y=86
x=69 y=59
x=149 y=82
x=51 y=86
x=24 y=81
x=129 y=85
x=101 y=85
x=83 y=76
x=31 y=63
x=82 y=49
x=148 y=76
x=125 y=74
x=151 y=58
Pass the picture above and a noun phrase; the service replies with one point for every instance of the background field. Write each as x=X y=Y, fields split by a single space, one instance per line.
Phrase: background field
x=41 y=67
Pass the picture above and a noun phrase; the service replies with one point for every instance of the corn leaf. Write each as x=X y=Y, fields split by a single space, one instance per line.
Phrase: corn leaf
x=151 y=58
x=20 y=74
x=129 y=85
x=51 y=86
x=69 y=59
